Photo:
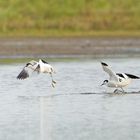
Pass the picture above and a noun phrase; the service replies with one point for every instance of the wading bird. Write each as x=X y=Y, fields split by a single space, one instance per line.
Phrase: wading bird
x=117 y=80
x=40 y=67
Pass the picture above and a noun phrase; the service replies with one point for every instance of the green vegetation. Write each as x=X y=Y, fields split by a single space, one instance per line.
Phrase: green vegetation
x=14 y=60
x=69 y=17
x=25 y=60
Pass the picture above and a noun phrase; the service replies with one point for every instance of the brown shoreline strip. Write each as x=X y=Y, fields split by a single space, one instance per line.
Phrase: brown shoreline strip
x=68 y=46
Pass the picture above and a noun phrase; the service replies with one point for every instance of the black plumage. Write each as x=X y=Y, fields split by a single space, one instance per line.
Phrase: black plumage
x=23 y=75
x=121 y=75
x=44 y=61
x=104 y=64
x=132 y=76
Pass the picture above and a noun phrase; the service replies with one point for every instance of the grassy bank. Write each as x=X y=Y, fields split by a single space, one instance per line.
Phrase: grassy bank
x=70 y=18
x=25 y=60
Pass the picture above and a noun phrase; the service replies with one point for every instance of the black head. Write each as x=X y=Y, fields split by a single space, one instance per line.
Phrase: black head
x=104 y=83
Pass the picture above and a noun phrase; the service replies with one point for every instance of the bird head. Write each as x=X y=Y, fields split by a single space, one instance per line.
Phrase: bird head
x=105 y=82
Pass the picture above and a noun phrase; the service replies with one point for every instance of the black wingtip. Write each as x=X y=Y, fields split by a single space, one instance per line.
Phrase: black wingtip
x=44 y=61
x=23 y=75
x=104 y=64
x=132 y=76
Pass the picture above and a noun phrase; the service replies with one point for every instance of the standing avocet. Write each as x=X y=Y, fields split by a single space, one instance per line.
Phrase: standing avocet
x=117 y=80
x=41 y=67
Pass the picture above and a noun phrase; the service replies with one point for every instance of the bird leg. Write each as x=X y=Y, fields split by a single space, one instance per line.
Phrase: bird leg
x=53 y=81
x=122 y=89
x=117 y=91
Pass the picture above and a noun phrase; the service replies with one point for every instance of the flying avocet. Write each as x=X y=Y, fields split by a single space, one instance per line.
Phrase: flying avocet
x=117 y=80
x=40 y=67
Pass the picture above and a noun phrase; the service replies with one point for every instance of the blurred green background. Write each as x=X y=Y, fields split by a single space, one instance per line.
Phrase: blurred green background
x=60 y=18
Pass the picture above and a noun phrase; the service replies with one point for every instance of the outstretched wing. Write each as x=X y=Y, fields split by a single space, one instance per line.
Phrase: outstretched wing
x=107 y=69
x=126 y=76
x=132 y=76
x=32 y=65
x=44 y=61
x=23 y=74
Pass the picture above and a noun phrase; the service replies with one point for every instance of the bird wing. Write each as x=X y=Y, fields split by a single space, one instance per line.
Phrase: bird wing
x=121 y=75
x=44 y=61
x=126 y=76
x=32 y=65
x=37 y=69
x=132 y=76
x=23 y=74
x=107 y=69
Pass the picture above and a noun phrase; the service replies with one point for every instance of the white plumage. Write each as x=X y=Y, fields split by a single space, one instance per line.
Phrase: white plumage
x=117 y=80
x=41 y=67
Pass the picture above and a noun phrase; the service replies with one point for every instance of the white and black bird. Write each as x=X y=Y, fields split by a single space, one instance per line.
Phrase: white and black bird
x=40 y=67
x=117 y=80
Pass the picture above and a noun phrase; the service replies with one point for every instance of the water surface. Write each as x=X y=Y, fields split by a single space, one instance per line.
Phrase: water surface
x=77 y=109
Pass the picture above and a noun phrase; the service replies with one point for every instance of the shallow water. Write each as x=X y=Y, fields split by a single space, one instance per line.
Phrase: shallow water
x=77 y=109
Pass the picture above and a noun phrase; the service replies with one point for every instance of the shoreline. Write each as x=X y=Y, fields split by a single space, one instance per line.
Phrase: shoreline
x=68 y=47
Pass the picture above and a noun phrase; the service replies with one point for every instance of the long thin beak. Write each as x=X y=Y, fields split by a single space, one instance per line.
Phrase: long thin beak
x=102 y=84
